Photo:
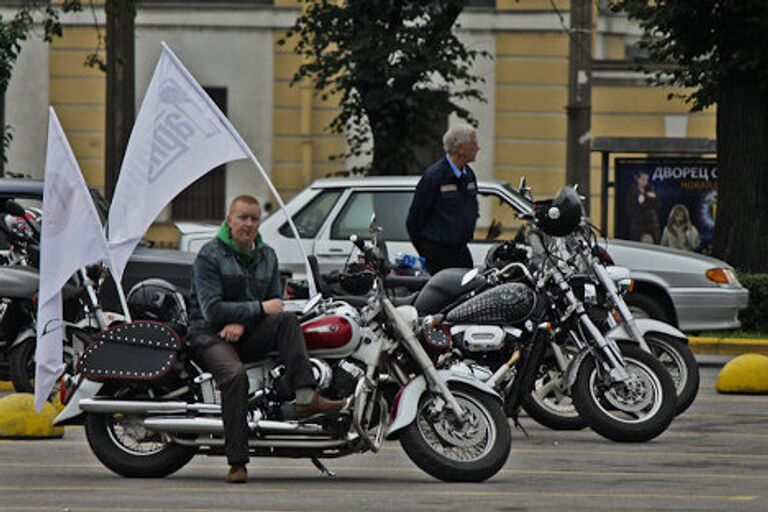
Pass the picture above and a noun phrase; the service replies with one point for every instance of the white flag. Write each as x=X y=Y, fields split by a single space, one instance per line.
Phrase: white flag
x=179 y=136
x=72 y=237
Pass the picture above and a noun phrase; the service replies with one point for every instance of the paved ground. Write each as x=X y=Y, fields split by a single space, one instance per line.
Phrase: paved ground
x=714 y=457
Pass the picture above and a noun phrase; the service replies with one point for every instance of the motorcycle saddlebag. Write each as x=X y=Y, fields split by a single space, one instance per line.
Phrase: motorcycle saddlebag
x=507 y=304
x=141 y=350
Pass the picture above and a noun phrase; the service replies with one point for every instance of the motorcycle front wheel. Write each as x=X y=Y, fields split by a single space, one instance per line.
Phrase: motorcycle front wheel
x=452 y=451
x=123 y=445
x=634 y=411
x=681 y=364
x=549 y=403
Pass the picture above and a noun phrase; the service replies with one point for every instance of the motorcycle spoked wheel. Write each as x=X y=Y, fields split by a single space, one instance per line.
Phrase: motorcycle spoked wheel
x=681 y=364
x=471 y=452
x=123 y=445
x=621 y=413
x=549 y=403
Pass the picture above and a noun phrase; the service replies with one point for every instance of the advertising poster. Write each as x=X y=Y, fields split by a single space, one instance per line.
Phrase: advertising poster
x=666 y=201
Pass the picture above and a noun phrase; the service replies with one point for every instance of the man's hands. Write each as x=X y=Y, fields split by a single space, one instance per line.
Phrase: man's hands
x=272 y=306
x=232 y=332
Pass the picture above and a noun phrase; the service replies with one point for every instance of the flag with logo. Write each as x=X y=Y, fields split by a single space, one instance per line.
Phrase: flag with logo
x=71 y=238
x=179 y=135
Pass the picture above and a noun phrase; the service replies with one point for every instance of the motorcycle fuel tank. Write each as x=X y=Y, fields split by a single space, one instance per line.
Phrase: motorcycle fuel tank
x=331 y=335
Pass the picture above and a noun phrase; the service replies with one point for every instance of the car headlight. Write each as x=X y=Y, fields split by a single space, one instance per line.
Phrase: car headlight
x=721 y=276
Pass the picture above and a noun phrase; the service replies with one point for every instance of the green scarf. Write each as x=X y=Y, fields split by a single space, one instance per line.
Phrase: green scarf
x=226 y=238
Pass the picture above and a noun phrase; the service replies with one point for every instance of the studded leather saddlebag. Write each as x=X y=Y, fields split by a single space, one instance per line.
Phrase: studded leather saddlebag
x=141 y=350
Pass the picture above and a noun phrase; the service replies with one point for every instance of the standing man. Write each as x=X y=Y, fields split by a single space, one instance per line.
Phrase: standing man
x=444 y=210
x=236 y=317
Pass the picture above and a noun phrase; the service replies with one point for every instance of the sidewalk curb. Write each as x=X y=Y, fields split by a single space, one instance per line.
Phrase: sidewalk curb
x=727 y=346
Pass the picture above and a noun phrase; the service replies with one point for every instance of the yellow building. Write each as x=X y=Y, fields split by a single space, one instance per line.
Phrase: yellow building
x=231 y=48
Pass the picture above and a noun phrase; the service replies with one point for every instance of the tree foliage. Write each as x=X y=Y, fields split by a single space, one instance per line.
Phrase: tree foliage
x=705 y=40
x=397 y=68
x=719 y=49
x=15 y=31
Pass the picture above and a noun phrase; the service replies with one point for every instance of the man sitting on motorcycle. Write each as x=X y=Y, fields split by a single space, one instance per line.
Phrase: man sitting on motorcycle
x=236 y=317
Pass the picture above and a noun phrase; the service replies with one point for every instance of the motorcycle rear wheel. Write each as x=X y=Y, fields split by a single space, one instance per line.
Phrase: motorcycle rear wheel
x=123 y=445
x=681 y=364
x=471 y=452
x=622 y=414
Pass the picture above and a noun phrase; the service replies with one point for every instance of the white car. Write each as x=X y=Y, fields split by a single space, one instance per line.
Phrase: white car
x=688 y=290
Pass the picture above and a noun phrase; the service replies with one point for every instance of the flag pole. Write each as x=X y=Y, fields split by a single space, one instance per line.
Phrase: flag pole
x=231 y=129
x=308 y=269
x=118 y=283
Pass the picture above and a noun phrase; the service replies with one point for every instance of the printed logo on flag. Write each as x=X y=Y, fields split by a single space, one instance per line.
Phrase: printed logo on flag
x=61 y=193
x=180 y=120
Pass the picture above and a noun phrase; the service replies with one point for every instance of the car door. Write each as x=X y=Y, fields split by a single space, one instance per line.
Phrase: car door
x=333 y=248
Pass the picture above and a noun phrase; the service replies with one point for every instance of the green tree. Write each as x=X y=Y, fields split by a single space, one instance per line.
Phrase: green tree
x=13 y=33
x=383 y=58
x=719 y=48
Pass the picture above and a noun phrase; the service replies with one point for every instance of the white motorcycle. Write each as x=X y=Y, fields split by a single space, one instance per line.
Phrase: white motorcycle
x=148 y=408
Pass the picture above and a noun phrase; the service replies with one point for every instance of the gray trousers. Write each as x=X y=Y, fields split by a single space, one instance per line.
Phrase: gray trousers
x=224 y=360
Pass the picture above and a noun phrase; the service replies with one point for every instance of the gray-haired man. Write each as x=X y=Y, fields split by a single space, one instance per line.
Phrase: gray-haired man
x=444 y=210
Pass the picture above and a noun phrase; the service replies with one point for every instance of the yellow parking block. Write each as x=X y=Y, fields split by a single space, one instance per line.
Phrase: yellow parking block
x=6 y=385
x=18 y=418
x=747 y=373
x=727 y=346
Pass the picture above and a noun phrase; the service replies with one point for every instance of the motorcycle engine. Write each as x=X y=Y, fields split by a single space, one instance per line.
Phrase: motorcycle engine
x=479 y=338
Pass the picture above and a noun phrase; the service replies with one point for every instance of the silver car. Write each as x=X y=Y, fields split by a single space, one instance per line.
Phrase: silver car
x=691 y=291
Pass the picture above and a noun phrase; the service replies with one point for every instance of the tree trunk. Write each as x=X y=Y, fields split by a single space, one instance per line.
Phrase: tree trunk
x=741 y=228
x=121 y=106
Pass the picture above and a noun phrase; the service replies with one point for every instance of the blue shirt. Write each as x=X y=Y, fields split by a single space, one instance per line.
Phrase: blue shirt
x=456 y=172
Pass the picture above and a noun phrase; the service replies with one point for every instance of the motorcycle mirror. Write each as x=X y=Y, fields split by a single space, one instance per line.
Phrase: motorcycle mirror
x=469 y=276
x=524 y=189
x=312 y=304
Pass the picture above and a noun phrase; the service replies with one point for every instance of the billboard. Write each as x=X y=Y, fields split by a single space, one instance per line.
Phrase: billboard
x=666 y=201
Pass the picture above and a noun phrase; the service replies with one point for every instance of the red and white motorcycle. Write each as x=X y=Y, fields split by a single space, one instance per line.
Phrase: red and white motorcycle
x=148 y=408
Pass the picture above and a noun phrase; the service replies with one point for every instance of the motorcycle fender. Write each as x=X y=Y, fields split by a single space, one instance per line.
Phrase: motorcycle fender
x=28 y=332
x=407 y=401
x=573 y=368
x=71 y=413
x=621 y=333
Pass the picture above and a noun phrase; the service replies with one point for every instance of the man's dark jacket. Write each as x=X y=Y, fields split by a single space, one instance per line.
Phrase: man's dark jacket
x=228 y=285
x=444 y=208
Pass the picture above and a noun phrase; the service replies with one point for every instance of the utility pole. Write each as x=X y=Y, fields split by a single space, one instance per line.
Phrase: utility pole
x=580 y=98
x=121 y=102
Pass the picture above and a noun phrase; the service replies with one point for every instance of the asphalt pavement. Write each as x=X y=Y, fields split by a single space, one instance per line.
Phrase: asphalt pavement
x=713 y=457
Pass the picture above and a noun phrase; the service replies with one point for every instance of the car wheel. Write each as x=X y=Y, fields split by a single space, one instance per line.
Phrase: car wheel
x=645 y=306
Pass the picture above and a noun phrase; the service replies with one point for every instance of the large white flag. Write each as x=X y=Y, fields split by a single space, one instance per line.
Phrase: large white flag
x=179 y=136
x=72 y=237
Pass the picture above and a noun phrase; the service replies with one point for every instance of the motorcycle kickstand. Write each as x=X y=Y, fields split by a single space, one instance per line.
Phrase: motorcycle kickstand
x=323 y=469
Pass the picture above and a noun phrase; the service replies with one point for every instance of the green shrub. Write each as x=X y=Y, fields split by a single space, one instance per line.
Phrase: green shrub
x=755 y=317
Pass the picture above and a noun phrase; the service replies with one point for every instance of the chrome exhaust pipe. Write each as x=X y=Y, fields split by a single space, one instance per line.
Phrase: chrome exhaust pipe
x=102 y=406
x=215 y=426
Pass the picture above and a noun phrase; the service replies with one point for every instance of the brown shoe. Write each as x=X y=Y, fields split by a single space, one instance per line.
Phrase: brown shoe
x=237 y=474
x=319 y=405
